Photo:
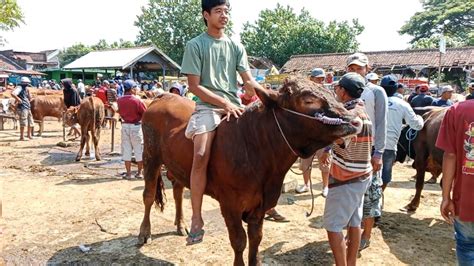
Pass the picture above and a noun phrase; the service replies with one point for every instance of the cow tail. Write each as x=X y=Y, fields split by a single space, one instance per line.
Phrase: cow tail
x=91 y=101
x=160 y=195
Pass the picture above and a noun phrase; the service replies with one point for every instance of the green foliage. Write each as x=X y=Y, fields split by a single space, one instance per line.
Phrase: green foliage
x=70 y=54
x=453 y=18
x=433 y=42
x=281 y=33
x=10 y=16
x=169 y=25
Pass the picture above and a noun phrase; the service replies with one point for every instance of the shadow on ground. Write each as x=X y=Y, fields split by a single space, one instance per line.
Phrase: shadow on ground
x=401 y=233
x=315 y=253
x=123 y=250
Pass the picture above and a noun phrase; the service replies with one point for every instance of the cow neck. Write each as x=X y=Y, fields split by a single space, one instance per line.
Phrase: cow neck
x=284 y=131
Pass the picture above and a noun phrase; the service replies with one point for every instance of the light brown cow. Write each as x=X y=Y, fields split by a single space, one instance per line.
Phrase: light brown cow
x=48 y=105
x=90 y=115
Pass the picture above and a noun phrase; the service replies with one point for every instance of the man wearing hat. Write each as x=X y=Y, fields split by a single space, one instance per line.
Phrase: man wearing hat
x=470 y=90
x=422 y=99
x=176 y=88
x=376 y=105
x=81 y=88
x=131 y=110
x=445 y=99
x=372 y=78
x=350 y=176
x=398 y=110
x=318 y=75
x=23 y=99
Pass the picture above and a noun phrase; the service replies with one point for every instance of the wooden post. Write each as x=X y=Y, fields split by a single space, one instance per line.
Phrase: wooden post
x=113 y=134
x=64 y=125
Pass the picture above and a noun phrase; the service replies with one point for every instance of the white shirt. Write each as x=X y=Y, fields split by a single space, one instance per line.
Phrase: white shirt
x=398 y=110
x=81 y=87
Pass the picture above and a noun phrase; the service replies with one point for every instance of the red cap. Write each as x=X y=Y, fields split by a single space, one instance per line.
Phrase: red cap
x=424 y=88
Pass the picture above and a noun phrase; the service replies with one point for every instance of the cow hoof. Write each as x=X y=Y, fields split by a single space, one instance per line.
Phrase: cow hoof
x=181 y=231
x=143 y=239
x=409 y=208
x=87 y=154
x=78 y=159
x=97 y=158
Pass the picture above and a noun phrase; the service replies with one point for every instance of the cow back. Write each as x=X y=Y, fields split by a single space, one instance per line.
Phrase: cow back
x=47 y=105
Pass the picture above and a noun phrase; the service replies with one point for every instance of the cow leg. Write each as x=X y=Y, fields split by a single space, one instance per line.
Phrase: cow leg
x=96 y=137
x=88 y=149
x=151 y=170
x=254 y=232
x=420 y=166
x=178 y=190
x=238 y=239
x=41 y=127
x=84 y=139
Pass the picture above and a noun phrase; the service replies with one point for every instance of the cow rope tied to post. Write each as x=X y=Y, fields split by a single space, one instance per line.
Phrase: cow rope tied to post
x=320 y=117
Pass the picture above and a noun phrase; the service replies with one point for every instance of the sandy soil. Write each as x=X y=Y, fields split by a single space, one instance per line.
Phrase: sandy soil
x=51 y=205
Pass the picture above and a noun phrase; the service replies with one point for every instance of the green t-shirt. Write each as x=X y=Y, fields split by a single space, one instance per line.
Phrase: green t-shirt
x=216 y=62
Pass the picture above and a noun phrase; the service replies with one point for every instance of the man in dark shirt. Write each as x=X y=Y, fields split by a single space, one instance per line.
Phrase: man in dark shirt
x=23 y=99
x=422 y=99
x=131 y=110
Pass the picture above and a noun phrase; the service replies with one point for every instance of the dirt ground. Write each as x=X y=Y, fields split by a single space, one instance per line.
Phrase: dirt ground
x=51 y=205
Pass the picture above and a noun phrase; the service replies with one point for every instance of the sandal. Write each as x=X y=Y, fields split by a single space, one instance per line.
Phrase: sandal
x=364 y=243
x=139 y=176
x=195 y=238
x=274 y=216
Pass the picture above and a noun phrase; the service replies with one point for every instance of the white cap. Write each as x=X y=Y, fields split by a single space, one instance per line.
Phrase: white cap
x=359 y=59
x=25 y=80
x=446 y=88
x=372 y=76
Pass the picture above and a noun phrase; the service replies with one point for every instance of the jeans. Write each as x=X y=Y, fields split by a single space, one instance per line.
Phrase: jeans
x=464 y=233
x=388 y=159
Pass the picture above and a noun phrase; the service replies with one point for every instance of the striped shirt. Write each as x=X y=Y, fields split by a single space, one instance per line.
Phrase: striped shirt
x=353 y=160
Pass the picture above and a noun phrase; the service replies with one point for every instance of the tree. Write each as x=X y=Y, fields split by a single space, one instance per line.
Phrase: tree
x=10 y=16
x=451 y=18
x=281 y=33
x=433 y=42
x=71 y=53
x=170 y=25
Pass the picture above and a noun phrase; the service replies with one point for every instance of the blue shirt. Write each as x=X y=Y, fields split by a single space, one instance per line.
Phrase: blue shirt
x=442 y=103
x=421 y=100
x=120 y=90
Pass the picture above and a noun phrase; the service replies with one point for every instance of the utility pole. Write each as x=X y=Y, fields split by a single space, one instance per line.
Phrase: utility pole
x=442 y=50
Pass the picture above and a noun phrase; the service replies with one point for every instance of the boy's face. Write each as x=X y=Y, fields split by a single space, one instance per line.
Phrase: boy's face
x=218 y=18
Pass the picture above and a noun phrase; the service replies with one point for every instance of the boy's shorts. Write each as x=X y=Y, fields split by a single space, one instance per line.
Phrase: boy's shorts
x=344 y=206
x=203 y=120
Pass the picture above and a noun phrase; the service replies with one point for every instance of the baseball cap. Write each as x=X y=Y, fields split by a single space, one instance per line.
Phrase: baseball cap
x=25 y=80
x=471 y=85
x=389 y=81
x=372 y=76
x=129 y=84
x=424 y=88
x=359 y=59
x=318 y=73
x=446 y=88
x=353 y=83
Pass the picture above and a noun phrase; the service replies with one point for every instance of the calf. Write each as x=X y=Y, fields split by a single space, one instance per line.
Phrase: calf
x=48 y=105
x=90 y=115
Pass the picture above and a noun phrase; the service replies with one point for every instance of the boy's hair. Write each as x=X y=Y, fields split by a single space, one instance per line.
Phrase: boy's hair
x=207 y=5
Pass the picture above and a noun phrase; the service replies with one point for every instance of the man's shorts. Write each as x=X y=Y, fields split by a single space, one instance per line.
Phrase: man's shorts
x=203 y=120
x=344 y=206
x=132 y=140
x=26 y=118
x=373 y=196
x=306 y=163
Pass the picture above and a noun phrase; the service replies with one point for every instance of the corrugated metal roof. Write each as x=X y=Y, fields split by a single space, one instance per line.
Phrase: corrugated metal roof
x=428 y=58
x=120 y=59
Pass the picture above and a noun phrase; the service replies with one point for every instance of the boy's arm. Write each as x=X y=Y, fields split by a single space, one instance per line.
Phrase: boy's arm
x=207 y=96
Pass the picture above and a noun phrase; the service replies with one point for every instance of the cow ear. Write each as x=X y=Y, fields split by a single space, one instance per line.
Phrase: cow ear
x=268 y=97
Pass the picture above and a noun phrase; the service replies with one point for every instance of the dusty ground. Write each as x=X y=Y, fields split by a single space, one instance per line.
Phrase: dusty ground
x=51 y=205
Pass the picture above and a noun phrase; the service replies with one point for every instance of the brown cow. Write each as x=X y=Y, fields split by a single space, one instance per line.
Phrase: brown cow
x=48 y=105
x=249 y=158
x=427 y=158
x=90 y=115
